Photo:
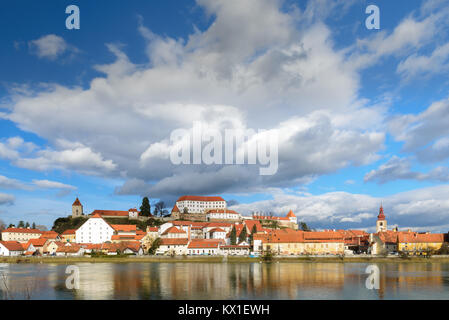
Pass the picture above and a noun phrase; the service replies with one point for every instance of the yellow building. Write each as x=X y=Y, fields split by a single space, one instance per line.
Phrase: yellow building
x=292 y=242
x=68 y=235
x=419 y=243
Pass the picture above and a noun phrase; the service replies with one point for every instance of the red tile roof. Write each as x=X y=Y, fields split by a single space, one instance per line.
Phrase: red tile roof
x=77 y=203
x=110 y=213
x=204 y=243
x=290 y=214
x=173 y=230
x=381 y=215
x=167 y=242
x=200 y=198
x=37 y=242
x=251 y=223
x=12 y=245
x=175 y=209
x=124 y=227
x=414 y=237
x=69 y=249
x=22 y=230
x=217 y=230
x=69 y=232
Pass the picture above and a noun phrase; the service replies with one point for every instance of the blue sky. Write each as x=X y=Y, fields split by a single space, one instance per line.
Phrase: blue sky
x=362 y=114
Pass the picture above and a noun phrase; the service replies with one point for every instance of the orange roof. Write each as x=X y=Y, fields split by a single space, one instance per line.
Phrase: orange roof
x=22 y=230
x=77 y=203
x=37 y=242
x=69 y=249
x=180 y=242
x=173 y=230
x=251 y=223
x=12 y=245
x=204 y=243
x=290 y=214
x=49 y=235
x=217 y=230
x=69 y=232
x=323 y=236
x=414 y=237
x=388 y=236
x=152 y=229
x=200 y=198
x=218 y=225
x=175 y=209
x=133 y=210
x=189 y=223
x=123 y=237
x=124 y=227
x=110 y=213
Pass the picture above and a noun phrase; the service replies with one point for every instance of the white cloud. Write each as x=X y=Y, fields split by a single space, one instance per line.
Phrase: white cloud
x=400 y=169
x=49 y=46
x=426 y=134
x=421 y=65
x=6 y=199
x=47 y=184
x=8 y=183
x=421 y=209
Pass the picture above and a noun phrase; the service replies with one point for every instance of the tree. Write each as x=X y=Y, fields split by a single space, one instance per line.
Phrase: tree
x=159 y=208
x=2 y=225
x=33 y=226
x=243 y=234
x=251 y=236
x=304 y=226
x=145 y=208
x=154 y=246
x=27 y=225
x=233 y=236
x=11 y=225
x=21 y=224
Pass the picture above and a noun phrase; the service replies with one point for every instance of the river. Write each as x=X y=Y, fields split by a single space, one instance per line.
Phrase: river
x=221 y=281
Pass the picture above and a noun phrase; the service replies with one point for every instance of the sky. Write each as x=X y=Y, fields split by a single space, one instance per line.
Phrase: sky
x=361 y=115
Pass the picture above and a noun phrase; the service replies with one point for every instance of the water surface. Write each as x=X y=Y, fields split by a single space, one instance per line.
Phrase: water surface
x=225 y=281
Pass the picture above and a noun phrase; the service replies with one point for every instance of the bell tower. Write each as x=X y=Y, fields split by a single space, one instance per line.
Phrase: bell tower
x=381 y=224
x=77 y=209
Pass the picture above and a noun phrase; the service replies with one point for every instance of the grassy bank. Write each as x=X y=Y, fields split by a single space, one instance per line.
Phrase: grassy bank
x=156 y=259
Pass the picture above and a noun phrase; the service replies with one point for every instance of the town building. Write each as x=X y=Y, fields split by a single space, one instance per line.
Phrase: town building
x=204 y=247
x=68 y=235
x=223 y=215
x=94 y=230
x=289 y=221
x=414 y=243
x=196 y=207
x=11 y=248
x=22 y=235
x=173 y=246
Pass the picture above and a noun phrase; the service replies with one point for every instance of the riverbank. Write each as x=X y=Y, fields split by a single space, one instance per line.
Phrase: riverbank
x=215 y=259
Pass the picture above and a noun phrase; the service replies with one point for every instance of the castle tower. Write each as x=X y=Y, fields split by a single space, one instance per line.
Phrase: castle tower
x=77 y=209
x=381 y=224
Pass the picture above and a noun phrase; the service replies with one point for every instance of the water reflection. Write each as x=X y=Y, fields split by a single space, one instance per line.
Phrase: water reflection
x=225 y=281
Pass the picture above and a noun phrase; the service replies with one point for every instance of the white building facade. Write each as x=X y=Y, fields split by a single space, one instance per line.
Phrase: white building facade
x=94 y=230
x=199 y=204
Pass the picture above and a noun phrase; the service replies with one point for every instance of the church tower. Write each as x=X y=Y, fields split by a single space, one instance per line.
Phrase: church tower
x=381 y=224
x=77 y=209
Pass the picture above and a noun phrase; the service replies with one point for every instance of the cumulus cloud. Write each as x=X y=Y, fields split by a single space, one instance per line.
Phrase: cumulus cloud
x=400 y=169
x=425 y=134
x=50 y=47
x=272 y=76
